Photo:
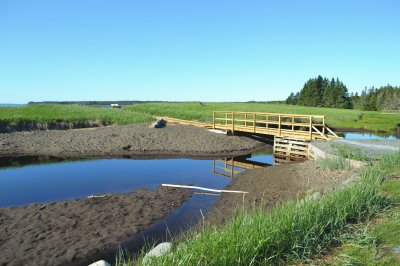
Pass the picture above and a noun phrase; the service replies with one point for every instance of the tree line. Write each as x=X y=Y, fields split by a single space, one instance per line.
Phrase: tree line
x=322 y=92
x=372 y=99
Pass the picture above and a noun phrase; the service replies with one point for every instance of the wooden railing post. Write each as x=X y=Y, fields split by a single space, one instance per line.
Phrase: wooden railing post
x=279 y=126
x=254 y=123
x=292 y=123
x=214 y=120
x=233 y=122
x=310 y=127
x=323 y=127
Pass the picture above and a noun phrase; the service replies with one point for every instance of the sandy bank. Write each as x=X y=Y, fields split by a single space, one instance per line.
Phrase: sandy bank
x=129 y=141
x=78 y=232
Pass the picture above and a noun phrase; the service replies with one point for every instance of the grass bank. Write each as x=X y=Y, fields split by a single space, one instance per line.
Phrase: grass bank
x=140 y=113
x=374 y=242
x=70 y=114
x=337 y=118
x=290 y=232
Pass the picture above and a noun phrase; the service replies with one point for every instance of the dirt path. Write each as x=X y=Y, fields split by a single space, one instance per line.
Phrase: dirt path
x=77 y=232
x=130 y=140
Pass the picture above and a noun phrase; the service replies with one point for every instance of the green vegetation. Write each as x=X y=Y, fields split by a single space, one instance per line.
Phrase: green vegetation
x=291 y=231
x=336 y=118
x=375 y=242
x=69 y=114
x=141 y=113
x=384 y=98
x=322 y=92
x=335 y=163
x=350 y=152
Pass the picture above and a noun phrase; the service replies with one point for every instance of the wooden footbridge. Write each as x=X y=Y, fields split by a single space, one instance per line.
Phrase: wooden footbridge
x=291 y=132
x=304 y=127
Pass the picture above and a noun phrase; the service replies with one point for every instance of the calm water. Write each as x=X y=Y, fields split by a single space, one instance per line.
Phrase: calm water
x=11 y=105
x=365 y=136
x=59 y=181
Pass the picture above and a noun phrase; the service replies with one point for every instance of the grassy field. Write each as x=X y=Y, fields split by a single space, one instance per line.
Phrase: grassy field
x=294 y=232
x=140 y=113
x=337 y=118
x=70 y=114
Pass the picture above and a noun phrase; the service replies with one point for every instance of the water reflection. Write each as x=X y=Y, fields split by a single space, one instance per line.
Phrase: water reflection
x=234 y=166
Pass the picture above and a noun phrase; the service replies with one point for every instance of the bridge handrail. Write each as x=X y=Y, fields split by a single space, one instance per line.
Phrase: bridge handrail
x=270 y=114
x=297 y=125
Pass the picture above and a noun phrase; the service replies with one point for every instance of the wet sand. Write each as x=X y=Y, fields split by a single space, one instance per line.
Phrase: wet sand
x=270 y=185
x=127 y=141
x=77 y=232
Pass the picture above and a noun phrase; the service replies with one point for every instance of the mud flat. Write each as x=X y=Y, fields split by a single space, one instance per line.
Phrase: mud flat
x=127 y=141
x=80 y=231
x=267 y=186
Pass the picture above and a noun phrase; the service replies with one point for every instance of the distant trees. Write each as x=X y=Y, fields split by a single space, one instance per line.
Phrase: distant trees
x=322 y=92
x=372 y=99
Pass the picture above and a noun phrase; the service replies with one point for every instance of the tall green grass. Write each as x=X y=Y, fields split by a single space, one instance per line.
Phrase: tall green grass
x=334 y=163
x=70 y=114
x=338 y=118
x=291 y=231
x=350 y=152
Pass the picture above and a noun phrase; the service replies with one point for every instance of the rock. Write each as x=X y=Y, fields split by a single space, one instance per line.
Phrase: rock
x=396 y=250
x=159 y=123
x=159 y=250
x=100 y=263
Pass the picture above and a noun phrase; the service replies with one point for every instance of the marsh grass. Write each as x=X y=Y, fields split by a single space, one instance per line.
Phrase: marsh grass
x=350 y=152
x=70 y=114
x=337 y=118
x=337 y=163
x=375 y=242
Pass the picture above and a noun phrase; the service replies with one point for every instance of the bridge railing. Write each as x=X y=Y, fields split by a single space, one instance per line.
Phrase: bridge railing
x=303 y=126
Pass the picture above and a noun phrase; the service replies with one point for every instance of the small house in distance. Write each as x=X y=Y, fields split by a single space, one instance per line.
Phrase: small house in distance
x=115 y=105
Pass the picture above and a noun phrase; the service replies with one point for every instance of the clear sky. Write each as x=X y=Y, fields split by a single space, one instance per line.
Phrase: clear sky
x=208 y=50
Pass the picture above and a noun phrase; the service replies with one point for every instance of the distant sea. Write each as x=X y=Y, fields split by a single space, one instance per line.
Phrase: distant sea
x=11 y=105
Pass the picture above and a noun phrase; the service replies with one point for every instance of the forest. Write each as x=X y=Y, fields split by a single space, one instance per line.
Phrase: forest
x=322 y=92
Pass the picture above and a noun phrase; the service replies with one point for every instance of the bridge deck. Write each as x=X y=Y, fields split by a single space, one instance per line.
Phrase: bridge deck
x=309 y=127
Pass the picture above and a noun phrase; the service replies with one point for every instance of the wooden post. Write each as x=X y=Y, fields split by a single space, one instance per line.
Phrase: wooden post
x=292 y=123
x=279 y=126
x=233 y=122
x=310 y=127
x=214 y=120
x=323 y=127
x=254 y=123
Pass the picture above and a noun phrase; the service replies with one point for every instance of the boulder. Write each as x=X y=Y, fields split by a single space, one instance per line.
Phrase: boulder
x=100 y=263
x=159 y=250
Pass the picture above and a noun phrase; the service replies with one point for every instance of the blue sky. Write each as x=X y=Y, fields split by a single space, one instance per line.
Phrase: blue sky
x=192 y=50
